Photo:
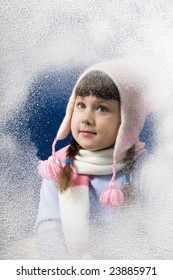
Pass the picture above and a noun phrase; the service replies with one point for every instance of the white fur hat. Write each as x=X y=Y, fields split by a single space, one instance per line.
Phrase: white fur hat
x=133 y=78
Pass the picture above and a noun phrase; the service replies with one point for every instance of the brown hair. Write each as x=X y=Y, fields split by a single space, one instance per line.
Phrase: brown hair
x=128 y=190
x=64 y=177
x=99 y=84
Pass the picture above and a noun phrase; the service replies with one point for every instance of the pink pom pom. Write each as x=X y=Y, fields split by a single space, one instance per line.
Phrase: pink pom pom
x=112 y=196
x=49 y=169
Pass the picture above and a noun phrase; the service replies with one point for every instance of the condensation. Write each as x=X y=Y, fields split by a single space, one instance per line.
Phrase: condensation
x=42 y=36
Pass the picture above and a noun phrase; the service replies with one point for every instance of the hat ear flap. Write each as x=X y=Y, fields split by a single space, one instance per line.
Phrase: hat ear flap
x=65 y=126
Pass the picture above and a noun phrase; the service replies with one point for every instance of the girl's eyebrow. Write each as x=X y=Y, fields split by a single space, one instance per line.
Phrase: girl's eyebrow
x=98 y=100
x=103 y=101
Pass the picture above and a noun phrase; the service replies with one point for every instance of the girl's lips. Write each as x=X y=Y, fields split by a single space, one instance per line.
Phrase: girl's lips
x=87 y=133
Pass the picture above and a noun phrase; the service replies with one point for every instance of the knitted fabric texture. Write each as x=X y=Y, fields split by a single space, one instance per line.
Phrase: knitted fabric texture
x=85 y=164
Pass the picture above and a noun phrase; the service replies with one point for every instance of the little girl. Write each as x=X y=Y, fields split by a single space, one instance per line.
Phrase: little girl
x=89 y=182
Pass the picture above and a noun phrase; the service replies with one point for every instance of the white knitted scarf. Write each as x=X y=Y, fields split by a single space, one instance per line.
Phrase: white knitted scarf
x=97 y=162
x=74 y=202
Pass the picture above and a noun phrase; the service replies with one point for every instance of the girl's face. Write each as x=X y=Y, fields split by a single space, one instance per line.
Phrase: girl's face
x=95 y=122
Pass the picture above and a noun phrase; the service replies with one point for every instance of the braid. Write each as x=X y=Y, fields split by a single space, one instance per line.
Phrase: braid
x=128 y=190
x=64 y=177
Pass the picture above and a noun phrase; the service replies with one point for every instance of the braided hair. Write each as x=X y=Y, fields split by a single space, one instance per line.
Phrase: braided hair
x=128 y=189
x=64 y=177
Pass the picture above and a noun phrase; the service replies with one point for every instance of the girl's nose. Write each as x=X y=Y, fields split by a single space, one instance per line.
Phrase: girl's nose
x=87 y=118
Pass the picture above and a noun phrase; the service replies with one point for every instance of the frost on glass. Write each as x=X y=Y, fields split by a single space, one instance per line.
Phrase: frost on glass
x=39 y=40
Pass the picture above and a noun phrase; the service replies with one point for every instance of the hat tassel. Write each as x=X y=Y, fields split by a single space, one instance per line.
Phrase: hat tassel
x=112 y=196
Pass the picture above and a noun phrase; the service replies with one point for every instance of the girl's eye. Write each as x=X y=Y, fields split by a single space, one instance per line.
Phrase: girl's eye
x=81 y=105
x=102 y=109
